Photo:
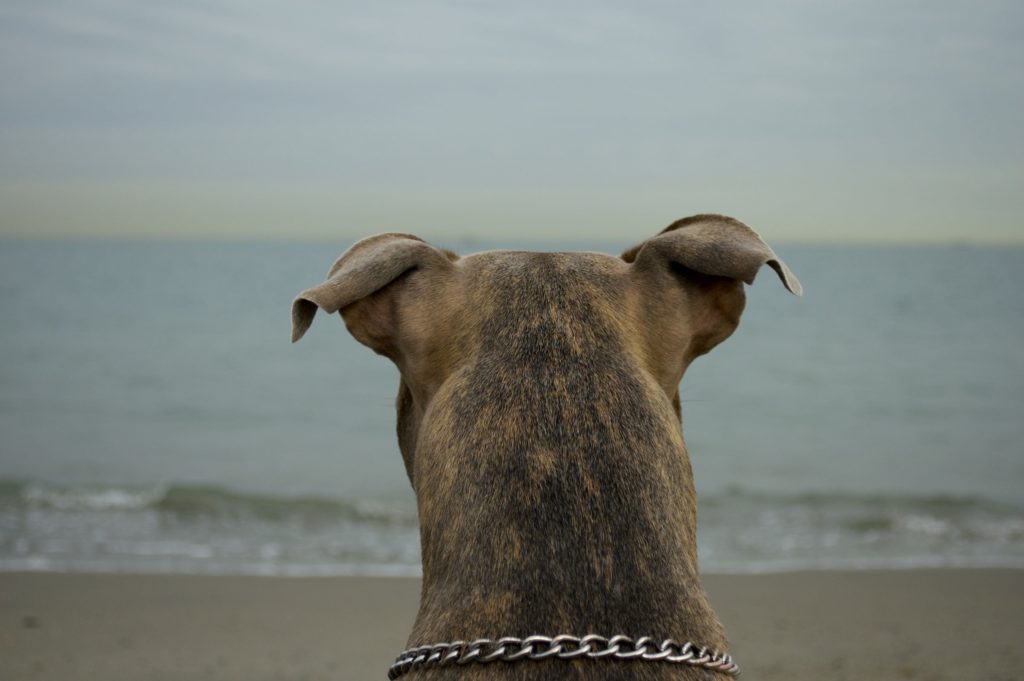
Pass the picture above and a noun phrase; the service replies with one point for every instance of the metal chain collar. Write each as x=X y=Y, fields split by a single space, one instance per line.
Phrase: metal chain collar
x=564 y=647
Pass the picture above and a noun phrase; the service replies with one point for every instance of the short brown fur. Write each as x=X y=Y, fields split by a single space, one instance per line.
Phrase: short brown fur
x=539 y=422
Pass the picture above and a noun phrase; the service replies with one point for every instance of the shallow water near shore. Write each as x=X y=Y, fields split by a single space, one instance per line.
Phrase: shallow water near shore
x=155 y=417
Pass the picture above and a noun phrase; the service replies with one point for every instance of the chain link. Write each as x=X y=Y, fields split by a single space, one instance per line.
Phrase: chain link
x=563 y=647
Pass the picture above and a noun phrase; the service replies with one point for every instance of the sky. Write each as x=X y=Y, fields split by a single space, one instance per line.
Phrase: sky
x=896 y=121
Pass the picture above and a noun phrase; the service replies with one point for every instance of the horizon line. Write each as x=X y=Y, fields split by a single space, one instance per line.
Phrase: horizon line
x=474 y=240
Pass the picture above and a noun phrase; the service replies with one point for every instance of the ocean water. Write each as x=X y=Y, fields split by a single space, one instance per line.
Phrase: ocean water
x=155 y=418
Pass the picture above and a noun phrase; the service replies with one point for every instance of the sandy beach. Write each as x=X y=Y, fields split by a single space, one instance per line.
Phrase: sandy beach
x=918 y=624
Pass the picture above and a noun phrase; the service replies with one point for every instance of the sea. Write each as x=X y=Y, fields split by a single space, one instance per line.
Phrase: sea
x=155 y=418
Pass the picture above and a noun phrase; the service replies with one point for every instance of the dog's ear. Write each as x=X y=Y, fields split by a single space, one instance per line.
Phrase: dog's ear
x=715 y=245
x=363 y=270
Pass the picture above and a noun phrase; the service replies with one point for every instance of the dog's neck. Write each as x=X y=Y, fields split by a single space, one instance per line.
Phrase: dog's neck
x=555 y=515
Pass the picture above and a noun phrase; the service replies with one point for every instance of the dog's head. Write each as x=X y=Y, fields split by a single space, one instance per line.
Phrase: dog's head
x=436 y=315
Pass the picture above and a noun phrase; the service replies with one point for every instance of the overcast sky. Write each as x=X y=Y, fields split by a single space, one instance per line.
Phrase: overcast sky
x=840 y=120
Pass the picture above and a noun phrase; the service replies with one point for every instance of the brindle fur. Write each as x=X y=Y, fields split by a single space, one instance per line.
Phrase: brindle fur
x=539 y=422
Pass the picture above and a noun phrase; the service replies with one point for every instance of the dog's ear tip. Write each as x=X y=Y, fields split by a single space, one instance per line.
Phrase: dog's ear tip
x=792 y=285
x=303 y=311
x=786 y=276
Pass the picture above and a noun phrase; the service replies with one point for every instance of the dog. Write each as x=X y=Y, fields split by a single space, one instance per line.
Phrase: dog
x=540 y=426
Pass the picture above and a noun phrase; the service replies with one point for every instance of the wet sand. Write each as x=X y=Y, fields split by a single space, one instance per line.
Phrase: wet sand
x=878 y=625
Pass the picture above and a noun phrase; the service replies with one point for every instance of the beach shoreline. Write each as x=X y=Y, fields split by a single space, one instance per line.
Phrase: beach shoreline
x=874 y=624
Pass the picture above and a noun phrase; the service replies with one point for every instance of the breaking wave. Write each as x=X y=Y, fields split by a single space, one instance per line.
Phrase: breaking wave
x=198 y=500
x=205 y=529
